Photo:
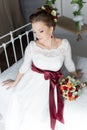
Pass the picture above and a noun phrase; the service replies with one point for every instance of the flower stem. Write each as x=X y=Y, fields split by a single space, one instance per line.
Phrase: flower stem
x=78 y=25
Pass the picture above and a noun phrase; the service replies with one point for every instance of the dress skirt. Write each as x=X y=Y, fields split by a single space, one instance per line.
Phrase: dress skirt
x=29 y=104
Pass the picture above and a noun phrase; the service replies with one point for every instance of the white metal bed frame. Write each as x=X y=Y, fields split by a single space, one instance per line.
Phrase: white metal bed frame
x=12 y=41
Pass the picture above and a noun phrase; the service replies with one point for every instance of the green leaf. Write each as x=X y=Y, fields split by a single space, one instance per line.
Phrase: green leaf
x=50 y=2
x=74 y=1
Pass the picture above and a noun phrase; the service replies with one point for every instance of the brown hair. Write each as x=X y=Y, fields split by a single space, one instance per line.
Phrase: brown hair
x=44 y=15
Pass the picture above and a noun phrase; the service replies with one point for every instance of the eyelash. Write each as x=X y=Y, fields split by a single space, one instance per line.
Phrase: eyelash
x=40 y=32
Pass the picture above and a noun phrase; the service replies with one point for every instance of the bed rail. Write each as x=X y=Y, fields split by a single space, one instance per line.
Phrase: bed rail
x=27 y=30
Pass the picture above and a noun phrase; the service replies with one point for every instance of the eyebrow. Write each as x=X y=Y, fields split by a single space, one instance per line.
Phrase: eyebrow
x=38 y=30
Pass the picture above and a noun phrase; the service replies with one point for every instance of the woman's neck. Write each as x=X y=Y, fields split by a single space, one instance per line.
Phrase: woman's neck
x=48 y=44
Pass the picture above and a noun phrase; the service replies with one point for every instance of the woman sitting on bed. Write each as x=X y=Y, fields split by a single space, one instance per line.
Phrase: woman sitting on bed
x=32 y=106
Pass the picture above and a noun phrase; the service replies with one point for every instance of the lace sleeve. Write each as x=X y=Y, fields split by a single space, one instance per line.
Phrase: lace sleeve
x=27 y=60
x=68 y=62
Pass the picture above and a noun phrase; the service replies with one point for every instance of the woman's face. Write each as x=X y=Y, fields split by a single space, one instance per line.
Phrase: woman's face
x=42 y=31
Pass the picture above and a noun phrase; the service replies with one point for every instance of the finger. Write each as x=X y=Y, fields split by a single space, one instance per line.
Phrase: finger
x=79 y=69
x=6 y=81
x=8 y=87
x=7 y=84
x=81 y=73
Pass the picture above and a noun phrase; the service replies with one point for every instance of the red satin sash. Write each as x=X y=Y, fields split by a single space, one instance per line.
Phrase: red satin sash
x=55 y=114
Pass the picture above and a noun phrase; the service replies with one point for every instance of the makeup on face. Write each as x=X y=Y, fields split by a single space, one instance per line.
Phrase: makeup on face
x=41 y=30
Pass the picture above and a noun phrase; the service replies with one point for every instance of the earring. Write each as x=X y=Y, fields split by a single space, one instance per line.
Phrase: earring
x=52 y=36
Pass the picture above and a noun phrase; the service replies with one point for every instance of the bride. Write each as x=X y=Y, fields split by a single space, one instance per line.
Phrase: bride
x=36 y=103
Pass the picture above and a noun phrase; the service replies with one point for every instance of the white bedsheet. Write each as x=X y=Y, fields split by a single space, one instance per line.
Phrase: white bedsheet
x=11 y=72
x=75 y=112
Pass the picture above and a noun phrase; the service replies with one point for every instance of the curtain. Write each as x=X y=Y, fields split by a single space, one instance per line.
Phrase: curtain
x=10 y=16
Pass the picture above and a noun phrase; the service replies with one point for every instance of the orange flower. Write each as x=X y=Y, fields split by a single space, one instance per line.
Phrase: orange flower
x=70 y=88
x=61 y=87
x=71 y=98
x=69 y=84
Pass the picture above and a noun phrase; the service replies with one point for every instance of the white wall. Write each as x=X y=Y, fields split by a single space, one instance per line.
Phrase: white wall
x=67 y=8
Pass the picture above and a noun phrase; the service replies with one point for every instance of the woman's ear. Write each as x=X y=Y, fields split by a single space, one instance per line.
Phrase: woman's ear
x=51 y=30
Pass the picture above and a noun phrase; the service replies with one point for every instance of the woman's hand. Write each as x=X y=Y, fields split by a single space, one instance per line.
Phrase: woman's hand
x=77 y=74
x=9 y=83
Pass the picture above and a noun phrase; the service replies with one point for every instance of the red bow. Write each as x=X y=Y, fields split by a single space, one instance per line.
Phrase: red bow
x=54 y=78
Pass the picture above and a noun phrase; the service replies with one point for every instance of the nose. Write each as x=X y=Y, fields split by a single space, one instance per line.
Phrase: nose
x=38 y=36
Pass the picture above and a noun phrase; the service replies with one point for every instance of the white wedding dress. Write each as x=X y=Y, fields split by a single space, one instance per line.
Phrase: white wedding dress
x=29 y=104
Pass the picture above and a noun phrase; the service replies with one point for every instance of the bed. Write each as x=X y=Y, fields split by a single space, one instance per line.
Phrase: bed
x=75 y=112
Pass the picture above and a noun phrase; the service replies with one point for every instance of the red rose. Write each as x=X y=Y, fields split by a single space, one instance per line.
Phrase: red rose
x=76 y=96
x=69 y=94
x=64 y=88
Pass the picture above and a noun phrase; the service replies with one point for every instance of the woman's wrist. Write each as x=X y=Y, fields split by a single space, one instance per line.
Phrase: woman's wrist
x=15 y=83
x=77 y=74
x=74 y=74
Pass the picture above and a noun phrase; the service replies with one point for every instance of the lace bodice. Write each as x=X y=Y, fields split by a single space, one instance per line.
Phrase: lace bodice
x=48 y=59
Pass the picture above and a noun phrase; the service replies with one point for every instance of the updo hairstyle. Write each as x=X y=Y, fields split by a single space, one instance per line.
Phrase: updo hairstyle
x=45 y=14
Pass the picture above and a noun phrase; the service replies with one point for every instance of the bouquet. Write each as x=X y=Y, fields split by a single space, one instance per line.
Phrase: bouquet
x=71 y=88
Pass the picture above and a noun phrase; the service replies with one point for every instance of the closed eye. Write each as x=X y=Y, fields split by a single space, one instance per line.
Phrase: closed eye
x=41 y=31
